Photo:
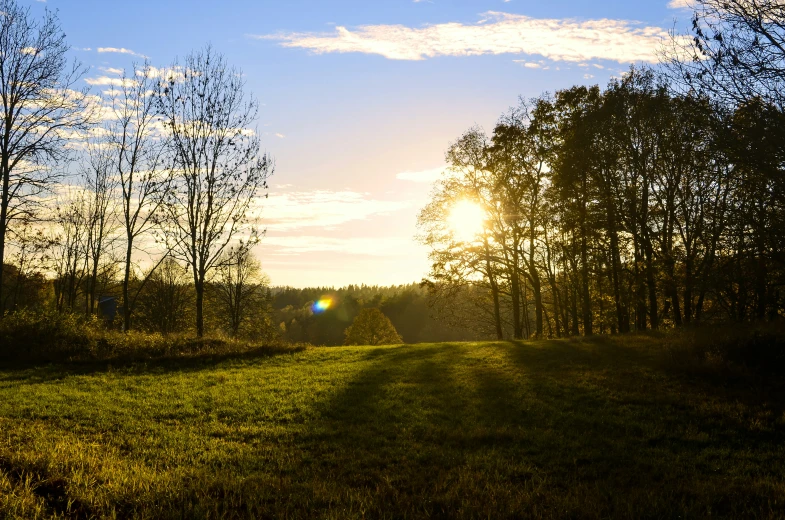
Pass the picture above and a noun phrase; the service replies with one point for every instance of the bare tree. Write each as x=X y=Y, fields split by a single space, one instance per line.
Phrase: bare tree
x=220 y=168
x=70 y=247
x=39 y=109
x=240 y=286
x=137 y=155
x=100 y=218
x=25 y=281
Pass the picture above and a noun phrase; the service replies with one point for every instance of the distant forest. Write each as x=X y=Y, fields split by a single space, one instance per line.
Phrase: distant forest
x=655 y=202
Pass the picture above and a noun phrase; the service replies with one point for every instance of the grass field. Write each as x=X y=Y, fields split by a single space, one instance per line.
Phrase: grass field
x=599 y=428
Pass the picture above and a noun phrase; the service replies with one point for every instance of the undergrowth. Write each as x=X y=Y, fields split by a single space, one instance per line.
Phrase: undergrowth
x=58 y=337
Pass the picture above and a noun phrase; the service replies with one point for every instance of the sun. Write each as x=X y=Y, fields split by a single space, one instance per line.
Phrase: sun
x=466 y=220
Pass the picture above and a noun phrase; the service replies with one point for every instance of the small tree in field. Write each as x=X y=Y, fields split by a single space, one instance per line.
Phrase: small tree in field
x=240 y=288
x=372 y=327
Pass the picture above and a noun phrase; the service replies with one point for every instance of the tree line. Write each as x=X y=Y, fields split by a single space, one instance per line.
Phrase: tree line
x=654 y=202
x=164 y=164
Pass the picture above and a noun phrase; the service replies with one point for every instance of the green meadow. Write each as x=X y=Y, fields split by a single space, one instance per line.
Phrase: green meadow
x=592 y=428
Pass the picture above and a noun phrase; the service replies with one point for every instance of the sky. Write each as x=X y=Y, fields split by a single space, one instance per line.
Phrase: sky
x=360 y=99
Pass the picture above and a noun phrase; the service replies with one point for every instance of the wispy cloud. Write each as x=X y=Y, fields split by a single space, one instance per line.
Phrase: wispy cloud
x=120 y=50
x=106 y=80
x=680 y=4
x=421 y=176
x=371 y=246
x=322 y=208
x=571 y=40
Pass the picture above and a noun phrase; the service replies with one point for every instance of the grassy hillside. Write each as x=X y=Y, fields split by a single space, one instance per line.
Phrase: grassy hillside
x=584 y=429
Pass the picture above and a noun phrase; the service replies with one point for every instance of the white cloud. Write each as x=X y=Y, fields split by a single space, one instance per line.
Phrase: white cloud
x=572 y=40
x=120 y=50
x=680 y=4
x=322 y=208
x=421 y=176
x=106 y=80
x=112 y=70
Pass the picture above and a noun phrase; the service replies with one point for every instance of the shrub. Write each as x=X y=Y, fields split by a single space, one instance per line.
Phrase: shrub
x=55 y=337
x=372 y=327
x=52 y=335
x=729 y=349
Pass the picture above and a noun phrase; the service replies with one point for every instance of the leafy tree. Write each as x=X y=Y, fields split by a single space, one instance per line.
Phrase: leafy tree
x=372 y=327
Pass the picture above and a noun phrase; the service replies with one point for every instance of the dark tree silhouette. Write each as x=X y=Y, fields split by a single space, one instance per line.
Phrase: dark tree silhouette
x=136 y=154
x=39 y=111
x=220 y=168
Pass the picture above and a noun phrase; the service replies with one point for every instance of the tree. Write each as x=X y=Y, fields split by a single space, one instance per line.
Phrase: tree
x=220 y=168
x=70 y=247
x=736 y=52
x=39 y=110
x=461 y=262
x=165 y=297
x=240 y=287
x=100 y=187
x=372 y=327
x=136 y=150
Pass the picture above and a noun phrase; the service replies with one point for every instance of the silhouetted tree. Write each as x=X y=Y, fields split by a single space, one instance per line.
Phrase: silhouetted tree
x=39 y=111
x=136 y=154
x=165 y=298
x=736 y=51
x=240 y=288
x=219 y=165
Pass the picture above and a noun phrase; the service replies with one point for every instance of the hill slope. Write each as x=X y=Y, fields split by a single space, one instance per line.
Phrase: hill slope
x=594 y=428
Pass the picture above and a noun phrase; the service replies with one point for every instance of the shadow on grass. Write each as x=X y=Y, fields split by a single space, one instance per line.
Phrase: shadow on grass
x=597 y=421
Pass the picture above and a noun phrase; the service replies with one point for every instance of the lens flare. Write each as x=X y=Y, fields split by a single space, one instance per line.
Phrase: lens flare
x=467 y=220
x=322 y=305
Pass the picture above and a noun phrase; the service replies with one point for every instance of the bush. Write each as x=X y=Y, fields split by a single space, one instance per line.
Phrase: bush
x=55 y=337
x=29 y=334
x=729 y=349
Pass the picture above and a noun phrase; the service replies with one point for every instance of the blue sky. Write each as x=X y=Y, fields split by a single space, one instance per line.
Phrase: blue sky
x=360 y=99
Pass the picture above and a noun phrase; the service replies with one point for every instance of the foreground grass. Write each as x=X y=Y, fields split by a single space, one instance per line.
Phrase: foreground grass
x=584 y=429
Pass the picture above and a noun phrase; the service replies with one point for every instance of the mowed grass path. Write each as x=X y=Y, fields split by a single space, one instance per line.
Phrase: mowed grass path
x=581 y=429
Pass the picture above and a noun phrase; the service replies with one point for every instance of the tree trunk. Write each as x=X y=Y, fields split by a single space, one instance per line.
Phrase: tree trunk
x=3 y=228
x=126 y=282
x=652 y=287
x=517 y=328
x=200 y=308
x=688 y=289
x=537 y=289
x=622 y=316
x=497 y=317
x=588 y=326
